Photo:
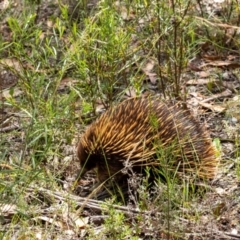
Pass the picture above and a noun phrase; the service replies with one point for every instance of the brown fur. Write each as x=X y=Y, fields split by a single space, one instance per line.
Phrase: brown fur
x=147 y=132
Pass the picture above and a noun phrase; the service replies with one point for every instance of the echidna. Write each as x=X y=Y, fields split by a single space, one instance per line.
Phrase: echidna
x=147 y=132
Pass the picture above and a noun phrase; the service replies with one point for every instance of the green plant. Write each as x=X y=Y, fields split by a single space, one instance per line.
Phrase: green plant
x=100 y=56
x=69 y=61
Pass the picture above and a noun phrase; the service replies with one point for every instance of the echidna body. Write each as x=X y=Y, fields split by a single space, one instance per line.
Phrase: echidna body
x=146 y=132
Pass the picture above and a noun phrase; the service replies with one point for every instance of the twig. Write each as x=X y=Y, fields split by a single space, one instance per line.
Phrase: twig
x=9 y=129
x=90 y=203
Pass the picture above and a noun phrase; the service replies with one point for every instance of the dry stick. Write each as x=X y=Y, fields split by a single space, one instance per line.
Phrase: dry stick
x=95 y=204
x=225 y=93
x=5 y=166
x=9 y=129
x=91 y=203
x=233 y=235
x=223 y=25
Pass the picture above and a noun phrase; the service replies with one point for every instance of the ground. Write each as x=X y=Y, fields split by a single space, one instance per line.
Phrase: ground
x=63 y=63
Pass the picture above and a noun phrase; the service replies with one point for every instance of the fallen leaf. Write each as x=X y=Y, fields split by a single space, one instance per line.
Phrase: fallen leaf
x=235 y=64
x=200 y=81
x=11 y=63
x=50 y=220
x=131 y=92
x=4 y=4
x=16 y=92
x=213 y=108
x=82 y=222
x=7 y=209
x=203 y=74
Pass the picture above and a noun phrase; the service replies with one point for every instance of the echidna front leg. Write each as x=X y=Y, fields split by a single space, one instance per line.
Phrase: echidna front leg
x=83 y=189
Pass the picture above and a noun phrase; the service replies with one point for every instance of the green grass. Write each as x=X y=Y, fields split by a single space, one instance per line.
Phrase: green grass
x=65 y=67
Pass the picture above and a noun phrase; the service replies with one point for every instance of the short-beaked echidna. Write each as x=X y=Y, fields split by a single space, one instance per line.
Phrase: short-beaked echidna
x=147 y=132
